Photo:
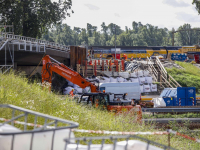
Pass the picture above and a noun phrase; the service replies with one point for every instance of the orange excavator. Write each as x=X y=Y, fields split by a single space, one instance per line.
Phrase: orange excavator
x=65 y=72
x=97 y=98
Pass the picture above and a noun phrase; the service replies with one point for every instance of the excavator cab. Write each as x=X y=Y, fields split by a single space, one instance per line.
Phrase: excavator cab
x=95 y=99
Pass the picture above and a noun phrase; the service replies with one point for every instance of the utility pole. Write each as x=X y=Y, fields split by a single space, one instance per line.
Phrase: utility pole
x=173 y=36
x=115 y=41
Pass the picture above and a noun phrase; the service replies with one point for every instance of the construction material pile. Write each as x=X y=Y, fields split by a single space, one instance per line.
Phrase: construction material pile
x=142 y=76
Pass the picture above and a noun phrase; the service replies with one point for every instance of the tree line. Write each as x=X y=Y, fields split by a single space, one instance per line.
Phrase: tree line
x=43 y=19
x=138 y=35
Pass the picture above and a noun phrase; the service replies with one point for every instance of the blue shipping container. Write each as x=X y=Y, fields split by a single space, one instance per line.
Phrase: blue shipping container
x=186 y=95
x=168 y=101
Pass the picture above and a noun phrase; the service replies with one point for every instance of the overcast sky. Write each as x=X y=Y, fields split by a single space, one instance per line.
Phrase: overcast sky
x=161 y=13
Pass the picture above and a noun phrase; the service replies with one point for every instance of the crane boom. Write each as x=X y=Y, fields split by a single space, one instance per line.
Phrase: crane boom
x=65 y=72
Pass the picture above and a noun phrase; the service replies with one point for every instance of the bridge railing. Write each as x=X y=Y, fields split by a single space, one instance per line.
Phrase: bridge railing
x=47 y=44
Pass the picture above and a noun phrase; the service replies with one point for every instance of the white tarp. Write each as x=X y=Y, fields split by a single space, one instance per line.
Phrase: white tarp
x=113 y=80
x=102 y=81
x=148 y=80
x=120 y=79
x=78 y=90
x=153 y=87
x=142 y=80
x=125 y=80
x=87 y=90
x=134 y=74
x=106 y=79
x=115 y=74
x=70 y=83
x=67 y=90
x=140 y=73
x=134 y=80
x=159 y=102
x=147 y=88
x=76 y=86
x=146 y=73
x=124 y=74
x=131 y=145
x=107 y=73
x=142 y=88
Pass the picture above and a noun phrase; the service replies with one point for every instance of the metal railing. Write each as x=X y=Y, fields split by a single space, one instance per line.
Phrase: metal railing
x=47 y=44
x=161 y=74
x=171 y=110
x=127 y=144
x=37 y=131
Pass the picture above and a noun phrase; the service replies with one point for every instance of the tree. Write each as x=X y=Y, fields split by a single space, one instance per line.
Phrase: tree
x=33 y=17
x=197 y=5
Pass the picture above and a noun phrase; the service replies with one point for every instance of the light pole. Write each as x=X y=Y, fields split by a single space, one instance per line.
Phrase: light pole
x=115 y=41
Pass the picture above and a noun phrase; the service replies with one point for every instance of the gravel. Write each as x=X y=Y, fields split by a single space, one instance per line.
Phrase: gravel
x=171 y=64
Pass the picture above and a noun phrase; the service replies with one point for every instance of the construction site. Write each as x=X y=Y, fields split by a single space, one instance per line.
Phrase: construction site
x=104 y=78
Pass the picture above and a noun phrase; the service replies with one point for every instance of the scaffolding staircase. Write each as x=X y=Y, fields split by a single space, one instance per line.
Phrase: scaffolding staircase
x=160 y=74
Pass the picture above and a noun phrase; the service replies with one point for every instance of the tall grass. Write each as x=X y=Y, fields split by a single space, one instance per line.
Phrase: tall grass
x=16 y=90
x=189 y=77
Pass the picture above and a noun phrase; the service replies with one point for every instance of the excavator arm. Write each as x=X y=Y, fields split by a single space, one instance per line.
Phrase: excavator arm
x=65 y=72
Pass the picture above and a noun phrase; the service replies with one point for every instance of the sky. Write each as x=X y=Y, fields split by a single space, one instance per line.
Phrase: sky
x=161 y=13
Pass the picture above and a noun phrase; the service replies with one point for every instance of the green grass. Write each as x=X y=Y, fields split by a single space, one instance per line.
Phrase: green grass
x=189 y=77
x=16 y=90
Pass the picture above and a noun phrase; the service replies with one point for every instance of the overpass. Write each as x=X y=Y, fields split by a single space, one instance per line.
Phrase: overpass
x=24 y=53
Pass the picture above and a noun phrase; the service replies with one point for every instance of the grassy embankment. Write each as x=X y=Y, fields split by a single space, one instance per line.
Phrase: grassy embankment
x=16 y=90
x=189 y=77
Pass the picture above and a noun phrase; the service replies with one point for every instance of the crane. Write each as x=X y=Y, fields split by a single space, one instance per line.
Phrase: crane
x=65 y=72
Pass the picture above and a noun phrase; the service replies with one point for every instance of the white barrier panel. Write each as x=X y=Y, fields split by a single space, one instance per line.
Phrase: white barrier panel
x=134 y=75
x=147 y=88
x=142 y=80
x=124 y=74
x=134 y=80
x=113 y=80
x=67 y=90
x=146 y=73
x=142 y=88
x=120 y=79
x=140 y=73
x=153 y=87
x=148 y=80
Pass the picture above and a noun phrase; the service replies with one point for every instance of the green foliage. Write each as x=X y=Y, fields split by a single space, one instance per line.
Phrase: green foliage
x=32 y=18
x=139 y=35
x=197 y=5
x=16 y=90
x=189 y=77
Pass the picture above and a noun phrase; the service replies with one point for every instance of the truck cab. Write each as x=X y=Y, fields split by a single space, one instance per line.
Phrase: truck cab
x=102 y=100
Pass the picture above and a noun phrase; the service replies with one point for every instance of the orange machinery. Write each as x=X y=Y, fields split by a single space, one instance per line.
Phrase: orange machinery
x=76 y=78
x=65 y=72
